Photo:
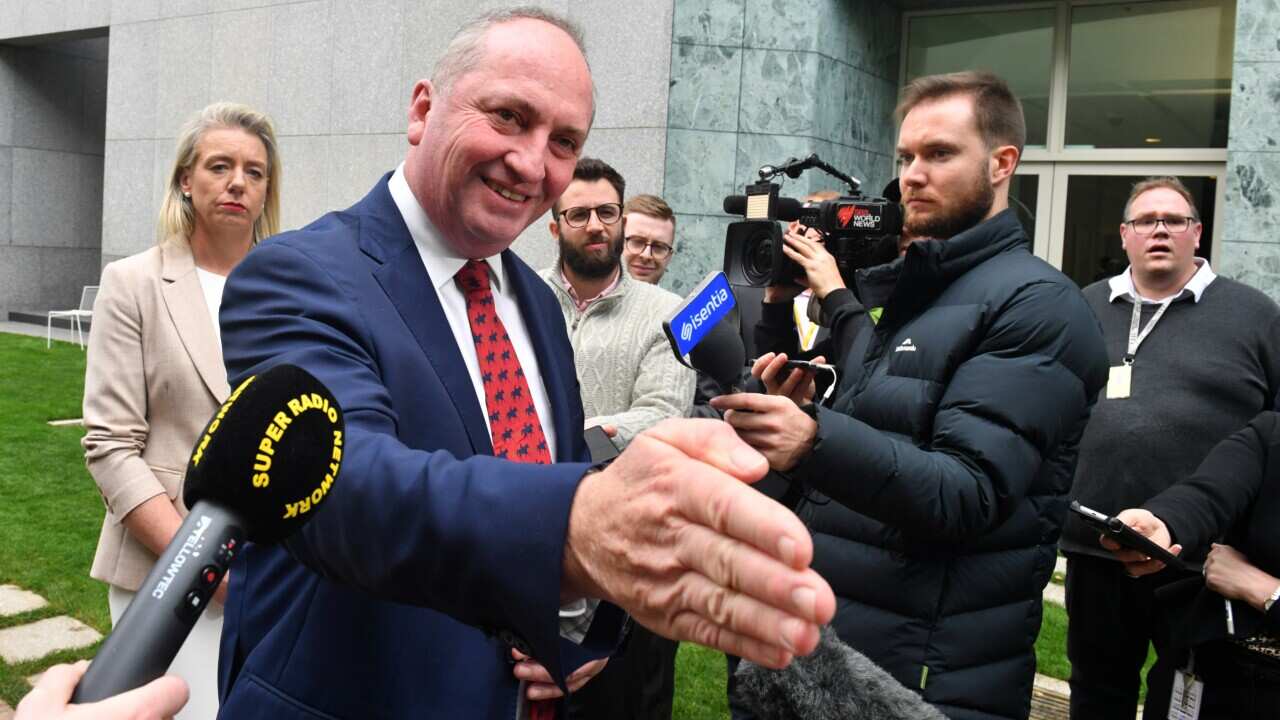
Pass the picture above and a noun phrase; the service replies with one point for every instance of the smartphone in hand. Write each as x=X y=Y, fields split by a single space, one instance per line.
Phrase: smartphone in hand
x=600 y=444
x=1125 y=536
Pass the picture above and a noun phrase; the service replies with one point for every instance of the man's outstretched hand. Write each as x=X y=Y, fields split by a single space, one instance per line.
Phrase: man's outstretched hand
x=671 y=533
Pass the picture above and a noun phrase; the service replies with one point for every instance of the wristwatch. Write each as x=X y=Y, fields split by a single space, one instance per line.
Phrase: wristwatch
x=1275 y=595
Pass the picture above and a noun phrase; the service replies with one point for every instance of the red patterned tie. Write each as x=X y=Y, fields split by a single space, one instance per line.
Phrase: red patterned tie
x=513 y=418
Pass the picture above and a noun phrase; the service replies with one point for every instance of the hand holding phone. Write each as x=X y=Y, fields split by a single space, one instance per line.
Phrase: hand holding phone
x=1120 y=532
x=600 y=444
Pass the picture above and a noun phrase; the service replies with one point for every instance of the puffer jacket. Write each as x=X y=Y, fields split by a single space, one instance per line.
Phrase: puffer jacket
x=942 y=468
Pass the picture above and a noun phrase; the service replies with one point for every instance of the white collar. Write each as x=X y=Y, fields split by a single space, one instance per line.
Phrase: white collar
x=1122 y=284
x=442 y=261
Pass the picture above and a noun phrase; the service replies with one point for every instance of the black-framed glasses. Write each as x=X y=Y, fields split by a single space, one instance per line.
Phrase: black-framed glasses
x=579 y=216
x=1173 y=223
x=659 y=250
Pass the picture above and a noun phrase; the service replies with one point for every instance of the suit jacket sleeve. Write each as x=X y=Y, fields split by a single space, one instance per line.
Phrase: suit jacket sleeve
x=1218 y=495
x=989 y=437
x=480 y=539
x=115 y=400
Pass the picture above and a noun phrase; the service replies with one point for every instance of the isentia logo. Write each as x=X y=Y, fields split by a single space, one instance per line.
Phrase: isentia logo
x=714 y=302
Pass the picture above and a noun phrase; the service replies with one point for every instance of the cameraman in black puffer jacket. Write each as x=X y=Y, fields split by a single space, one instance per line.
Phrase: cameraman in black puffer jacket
x=938 y=477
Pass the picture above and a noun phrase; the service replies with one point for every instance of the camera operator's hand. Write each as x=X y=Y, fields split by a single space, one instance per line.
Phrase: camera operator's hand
x=772 y=424
x=798 y=386
x=820 y=269
x=1149 y=526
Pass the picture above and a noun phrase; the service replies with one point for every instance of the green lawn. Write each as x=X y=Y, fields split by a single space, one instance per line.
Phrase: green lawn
x=50 y=514
x=50 y=511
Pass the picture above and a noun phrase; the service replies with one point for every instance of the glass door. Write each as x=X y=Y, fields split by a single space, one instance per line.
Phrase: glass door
x=1088 y=203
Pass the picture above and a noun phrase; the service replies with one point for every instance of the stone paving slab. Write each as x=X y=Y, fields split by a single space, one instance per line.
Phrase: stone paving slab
x=6 y=712
x=38 y=639
x=1056 y=594
x=14 y=600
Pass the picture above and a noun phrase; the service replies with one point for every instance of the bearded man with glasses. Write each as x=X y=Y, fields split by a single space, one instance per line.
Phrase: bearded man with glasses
x=1193 y=358
x=630 y=380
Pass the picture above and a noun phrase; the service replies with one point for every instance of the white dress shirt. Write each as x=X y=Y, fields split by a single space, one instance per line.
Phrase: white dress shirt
x=442 y=263
x=1122 y=284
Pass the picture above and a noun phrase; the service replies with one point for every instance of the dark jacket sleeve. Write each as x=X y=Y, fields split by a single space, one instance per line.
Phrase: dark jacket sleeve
x=1218 y=495
x=1026 y=388
x=479 y=538
x=775 y=332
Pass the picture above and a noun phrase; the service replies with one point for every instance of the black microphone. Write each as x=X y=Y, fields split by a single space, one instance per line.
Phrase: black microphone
x=720 y=355
x=260 y=470
x=835 y=682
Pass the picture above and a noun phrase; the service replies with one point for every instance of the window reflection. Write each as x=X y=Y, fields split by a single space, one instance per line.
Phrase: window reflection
x=1150 y=74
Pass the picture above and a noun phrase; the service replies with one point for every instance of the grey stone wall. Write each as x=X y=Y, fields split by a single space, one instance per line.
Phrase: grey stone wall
x=1250 y=248
x=52 y=106
x=756 y=81
x=336 y=77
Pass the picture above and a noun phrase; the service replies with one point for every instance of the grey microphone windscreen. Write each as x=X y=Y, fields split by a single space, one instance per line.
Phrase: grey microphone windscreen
x=835 y=682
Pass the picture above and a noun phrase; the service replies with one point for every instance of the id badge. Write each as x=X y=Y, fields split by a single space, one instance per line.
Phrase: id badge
x=1188 y=691
x=1118 y=381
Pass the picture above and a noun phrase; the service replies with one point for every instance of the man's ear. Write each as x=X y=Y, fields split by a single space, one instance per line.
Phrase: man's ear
x=554 y=227
x=419 y=107
x=1004 y=160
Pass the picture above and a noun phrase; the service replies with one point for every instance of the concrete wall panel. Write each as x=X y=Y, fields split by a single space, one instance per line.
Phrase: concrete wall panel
x=367 y=93
x=129 y=203
x=242 y=44
x=629 y=47
x=182 y=72
x=132 y=81
x=301 y=66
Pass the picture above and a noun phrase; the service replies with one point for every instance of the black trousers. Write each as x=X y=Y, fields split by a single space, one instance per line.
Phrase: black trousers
x=638 y=684
x=1112 y=618
x=1238 y=684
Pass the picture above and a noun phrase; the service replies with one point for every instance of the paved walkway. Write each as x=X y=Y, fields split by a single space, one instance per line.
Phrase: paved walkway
x=18 y=328
x=38 y=638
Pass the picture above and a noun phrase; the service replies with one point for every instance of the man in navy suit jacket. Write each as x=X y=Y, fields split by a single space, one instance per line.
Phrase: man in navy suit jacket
x=431 y=580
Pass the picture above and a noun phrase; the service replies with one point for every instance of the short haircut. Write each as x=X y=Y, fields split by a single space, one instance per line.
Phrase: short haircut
x=995 y=107
x=650 y=205
x=466 y=47
x=821 y=196
x=592 y=169
x=1160 y=181
x=177 y=217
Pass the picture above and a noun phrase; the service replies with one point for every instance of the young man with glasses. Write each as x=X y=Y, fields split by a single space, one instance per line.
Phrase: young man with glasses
x=650 y=239
x=630 y=380
x=1193 y=358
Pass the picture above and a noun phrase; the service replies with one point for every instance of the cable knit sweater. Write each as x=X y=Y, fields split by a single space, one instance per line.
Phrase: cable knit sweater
x=630 y=378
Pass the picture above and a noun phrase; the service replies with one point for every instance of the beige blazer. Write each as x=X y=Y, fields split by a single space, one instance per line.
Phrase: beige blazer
x=154 y=378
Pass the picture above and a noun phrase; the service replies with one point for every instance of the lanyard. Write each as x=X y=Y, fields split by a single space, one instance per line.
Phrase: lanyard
x=1135 y=339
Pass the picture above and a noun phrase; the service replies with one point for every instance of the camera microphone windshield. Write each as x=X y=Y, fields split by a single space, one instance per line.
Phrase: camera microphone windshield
x=260 y=469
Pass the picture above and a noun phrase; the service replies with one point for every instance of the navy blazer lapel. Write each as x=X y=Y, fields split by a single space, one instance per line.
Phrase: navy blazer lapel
x=385 y=237
x=550 y=361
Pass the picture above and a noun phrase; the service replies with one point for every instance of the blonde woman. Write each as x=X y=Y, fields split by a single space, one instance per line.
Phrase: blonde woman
x=155 y=371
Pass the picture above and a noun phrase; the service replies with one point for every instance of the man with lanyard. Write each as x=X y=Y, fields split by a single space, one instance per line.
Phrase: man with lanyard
x=1193 y=358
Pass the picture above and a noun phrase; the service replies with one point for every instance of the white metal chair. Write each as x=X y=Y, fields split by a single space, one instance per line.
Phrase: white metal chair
x=84 y=312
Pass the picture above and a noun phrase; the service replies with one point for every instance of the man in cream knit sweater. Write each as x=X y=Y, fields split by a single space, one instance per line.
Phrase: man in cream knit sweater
x=630 y=378
x=630 y=381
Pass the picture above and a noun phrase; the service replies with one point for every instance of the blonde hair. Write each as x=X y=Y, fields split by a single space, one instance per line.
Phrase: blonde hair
x=177 y=218
x=651 y=205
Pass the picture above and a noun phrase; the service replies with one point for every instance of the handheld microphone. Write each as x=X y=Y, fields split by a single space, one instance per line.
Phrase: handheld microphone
x=260 y=470
x=835 y=682
x=704 y=327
